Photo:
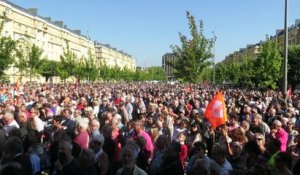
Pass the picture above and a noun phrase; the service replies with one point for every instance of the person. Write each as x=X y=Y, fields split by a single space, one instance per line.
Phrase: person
x=12 y=168
x=161 y=145
x=139 y=129
x=68 y=124
x=279 y=133
x=171 y=163
x=66 y=164
x=128 y=157
x=13 y=152
x=218 y=155
x=261 y=142
x=10 y=123
x=283 y=164
x=86 y=162
x=199 y=150
x=236 y=159
x=101 y=158
x=34 y=114
x=259 y=125
x=184 y=149
x=82 y=138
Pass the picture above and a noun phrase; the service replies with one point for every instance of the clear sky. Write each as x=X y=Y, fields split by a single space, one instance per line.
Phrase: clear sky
x=146 y=29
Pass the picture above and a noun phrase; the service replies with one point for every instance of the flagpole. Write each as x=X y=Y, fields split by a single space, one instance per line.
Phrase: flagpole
x=285 y=50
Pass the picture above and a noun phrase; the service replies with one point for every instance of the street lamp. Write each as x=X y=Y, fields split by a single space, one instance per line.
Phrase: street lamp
x=285 y=50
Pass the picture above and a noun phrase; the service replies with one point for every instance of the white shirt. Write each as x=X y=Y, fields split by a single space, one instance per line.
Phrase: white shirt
x=39 y=123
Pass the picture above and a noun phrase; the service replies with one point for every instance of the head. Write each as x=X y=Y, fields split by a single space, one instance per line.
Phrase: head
x=12 y=147
x=138 y=126
x=34 y=112
x=218 y=153
x=259 y=139
x=8 y=118
x=128 y=156
x=236 y=148
x=95 y=125
x=257 y=120
x=22 y=117
x=64 y=151
x=200 y=148
x=86 y=158
x=276 y=124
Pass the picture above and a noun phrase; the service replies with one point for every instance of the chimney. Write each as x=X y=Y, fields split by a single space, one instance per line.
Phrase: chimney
x=59 y=23
x=33 y=11
x=78 y=32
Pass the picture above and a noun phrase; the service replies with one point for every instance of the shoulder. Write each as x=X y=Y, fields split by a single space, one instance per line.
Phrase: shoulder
x=139 y=171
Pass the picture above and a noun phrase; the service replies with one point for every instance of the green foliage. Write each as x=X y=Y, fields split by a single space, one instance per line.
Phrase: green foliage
x=29 y=58
x=48 y=68
x=268 y=65
x=67 y=66
x=7 y=48
x=294 y=65
x=193 y=55
x=87 y=69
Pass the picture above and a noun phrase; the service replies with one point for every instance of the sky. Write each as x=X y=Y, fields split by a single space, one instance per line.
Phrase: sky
x=146 y=29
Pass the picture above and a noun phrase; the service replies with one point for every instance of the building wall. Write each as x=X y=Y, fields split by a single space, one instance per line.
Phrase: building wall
x=47 y=35
x=293 y=39
x=112 y=57
x=167 y=60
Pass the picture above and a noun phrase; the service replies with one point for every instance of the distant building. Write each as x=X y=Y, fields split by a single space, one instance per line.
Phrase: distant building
x=53 y=37
x=252 y=50
x=168 y=61
x=112 y=57
x=293 y=35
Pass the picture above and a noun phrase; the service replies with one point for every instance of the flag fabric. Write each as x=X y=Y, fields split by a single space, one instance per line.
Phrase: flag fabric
x=216 y=111
x=289 y=92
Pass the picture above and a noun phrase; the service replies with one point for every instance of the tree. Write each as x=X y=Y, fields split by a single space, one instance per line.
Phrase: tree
x=268 y=65
x=67 y=64
x=87 y=68
x=294 y=66
x=7 y=48
x=194 y=54
x=29 y=58
x=48 y=68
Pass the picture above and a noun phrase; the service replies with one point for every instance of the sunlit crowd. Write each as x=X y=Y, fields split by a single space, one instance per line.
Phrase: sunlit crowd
x=145 y=128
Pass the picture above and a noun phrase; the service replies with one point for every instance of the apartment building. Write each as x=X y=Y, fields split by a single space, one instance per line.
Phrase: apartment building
x=50 y=36
x=113 y=57
x=168 y=61
x=250 y=50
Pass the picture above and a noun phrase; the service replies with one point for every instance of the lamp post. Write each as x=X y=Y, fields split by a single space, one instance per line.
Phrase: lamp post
x=285 y=49
x=214 y=57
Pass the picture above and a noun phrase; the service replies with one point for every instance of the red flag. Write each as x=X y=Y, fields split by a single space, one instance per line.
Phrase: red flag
x=216 y=111
x=289 y=92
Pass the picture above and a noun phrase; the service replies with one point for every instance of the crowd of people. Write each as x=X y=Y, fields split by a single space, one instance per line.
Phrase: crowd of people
x=145 y=128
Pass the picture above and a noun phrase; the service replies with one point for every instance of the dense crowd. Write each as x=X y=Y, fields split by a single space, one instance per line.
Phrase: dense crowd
x=145 y=128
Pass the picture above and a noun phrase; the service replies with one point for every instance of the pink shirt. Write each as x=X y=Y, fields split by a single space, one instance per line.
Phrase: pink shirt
x=82 y=139
x=282 y=136
x=149 y=144
x=118 y=147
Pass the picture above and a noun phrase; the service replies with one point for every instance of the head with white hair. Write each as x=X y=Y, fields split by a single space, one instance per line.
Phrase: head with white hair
x=82 y=125
x=276 y=124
